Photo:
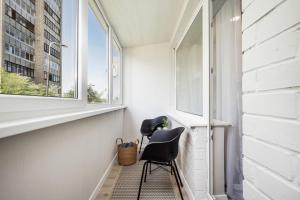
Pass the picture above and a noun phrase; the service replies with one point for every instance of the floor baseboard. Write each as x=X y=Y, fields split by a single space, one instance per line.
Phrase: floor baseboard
x=103 y=178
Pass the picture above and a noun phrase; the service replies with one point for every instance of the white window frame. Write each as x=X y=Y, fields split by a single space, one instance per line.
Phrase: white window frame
x=115 y=38
x=28 y=106
x=96 y=7
x=205 y=87
x=206 y=6
x=22 y=103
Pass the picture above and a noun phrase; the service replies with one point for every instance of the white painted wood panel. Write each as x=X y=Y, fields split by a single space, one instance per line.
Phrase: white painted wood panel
x=252 y=193
x=246 y=3
x=276 y=159
x=283 y=17
x=257 y=10
x=272 y=185
x=271 y=99
x=285 y=46
x=249 y=38
x=249 y=81
x=283 y=133
x=283 y=75
x=279 y=104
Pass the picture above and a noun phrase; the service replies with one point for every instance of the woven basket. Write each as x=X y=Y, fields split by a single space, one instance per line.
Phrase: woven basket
x=127 y=152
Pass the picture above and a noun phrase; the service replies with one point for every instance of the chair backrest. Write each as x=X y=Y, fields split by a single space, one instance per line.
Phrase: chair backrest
x=151 y=125
x=174 y=136
x=163 y=145
x=158 y=122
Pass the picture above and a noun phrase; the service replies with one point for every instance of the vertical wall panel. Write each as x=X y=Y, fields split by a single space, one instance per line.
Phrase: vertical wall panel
x=271 y=103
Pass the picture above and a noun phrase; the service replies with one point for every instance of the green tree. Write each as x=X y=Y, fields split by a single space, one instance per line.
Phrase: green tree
x=12 y=83
x=69 y=94
x=94 y=96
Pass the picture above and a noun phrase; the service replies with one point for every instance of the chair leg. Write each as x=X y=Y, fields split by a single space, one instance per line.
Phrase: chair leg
x=170 y=163
x=141 y=182
x=146 y=171
x=150 y=168
x=177 y=182
x=177 y=173
x=141 y=144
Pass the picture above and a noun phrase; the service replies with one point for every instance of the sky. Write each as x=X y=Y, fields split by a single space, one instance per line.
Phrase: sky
x=97 y=54
x=69 y=38
x=97 y=50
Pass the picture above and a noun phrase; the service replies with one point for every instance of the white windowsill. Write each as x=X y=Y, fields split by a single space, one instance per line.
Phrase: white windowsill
x=194 y=121
x=14 y=127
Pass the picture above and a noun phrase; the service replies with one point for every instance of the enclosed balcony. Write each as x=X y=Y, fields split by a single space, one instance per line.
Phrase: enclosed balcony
x=150 y=99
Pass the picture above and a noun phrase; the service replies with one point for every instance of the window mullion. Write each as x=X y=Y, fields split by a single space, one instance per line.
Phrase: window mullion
x=110 y=78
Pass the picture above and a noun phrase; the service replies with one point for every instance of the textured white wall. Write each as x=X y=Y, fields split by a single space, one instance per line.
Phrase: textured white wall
x=146 y=85
x=192 y=160
x=271 y=99
x=60 y=162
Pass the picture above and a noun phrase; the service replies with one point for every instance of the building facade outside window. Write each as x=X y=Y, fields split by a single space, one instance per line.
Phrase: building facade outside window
x=43 y=53
x=28 y=63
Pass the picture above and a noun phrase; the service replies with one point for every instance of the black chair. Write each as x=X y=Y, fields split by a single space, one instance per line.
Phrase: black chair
x=149 y=126
x=162 y=150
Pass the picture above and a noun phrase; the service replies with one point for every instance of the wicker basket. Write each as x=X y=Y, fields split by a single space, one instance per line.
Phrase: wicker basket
x=127 y=152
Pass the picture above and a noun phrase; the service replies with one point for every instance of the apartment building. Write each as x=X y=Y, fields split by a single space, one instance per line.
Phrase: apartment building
x=29 y=27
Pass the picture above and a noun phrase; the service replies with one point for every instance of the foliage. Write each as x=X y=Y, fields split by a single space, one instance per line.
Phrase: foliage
x=94 y=96
x=12 y=83
x=69 y=94
x=165 y=123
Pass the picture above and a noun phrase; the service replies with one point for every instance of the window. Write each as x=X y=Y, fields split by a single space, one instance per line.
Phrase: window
x=189 y=70
x=98 y=67
x=116 y=73
x=62 y=30
x=39 y=67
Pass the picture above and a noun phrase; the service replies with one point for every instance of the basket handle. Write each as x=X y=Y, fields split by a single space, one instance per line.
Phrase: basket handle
x=137 y=141
x=118 y=140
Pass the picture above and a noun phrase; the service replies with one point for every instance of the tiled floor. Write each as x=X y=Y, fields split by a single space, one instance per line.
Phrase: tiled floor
x=107 y=189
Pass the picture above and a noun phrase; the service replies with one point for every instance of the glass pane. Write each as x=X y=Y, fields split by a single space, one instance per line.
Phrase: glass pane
x=98 y=60
x=116 y=73
x=189 y=70
x=38 y=53
x=69 y=56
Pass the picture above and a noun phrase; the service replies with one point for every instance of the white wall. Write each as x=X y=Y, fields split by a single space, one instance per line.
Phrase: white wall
x=192 y=161
x=146 y=85
x=271 y=99
x=62 y=162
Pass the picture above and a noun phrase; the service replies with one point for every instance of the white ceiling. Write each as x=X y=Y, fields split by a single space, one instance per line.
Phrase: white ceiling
x=142 y=22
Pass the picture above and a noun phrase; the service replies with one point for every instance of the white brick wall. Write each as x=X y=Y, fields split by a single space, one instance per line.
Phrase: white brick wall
x=192 y=160
x=271 y=99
